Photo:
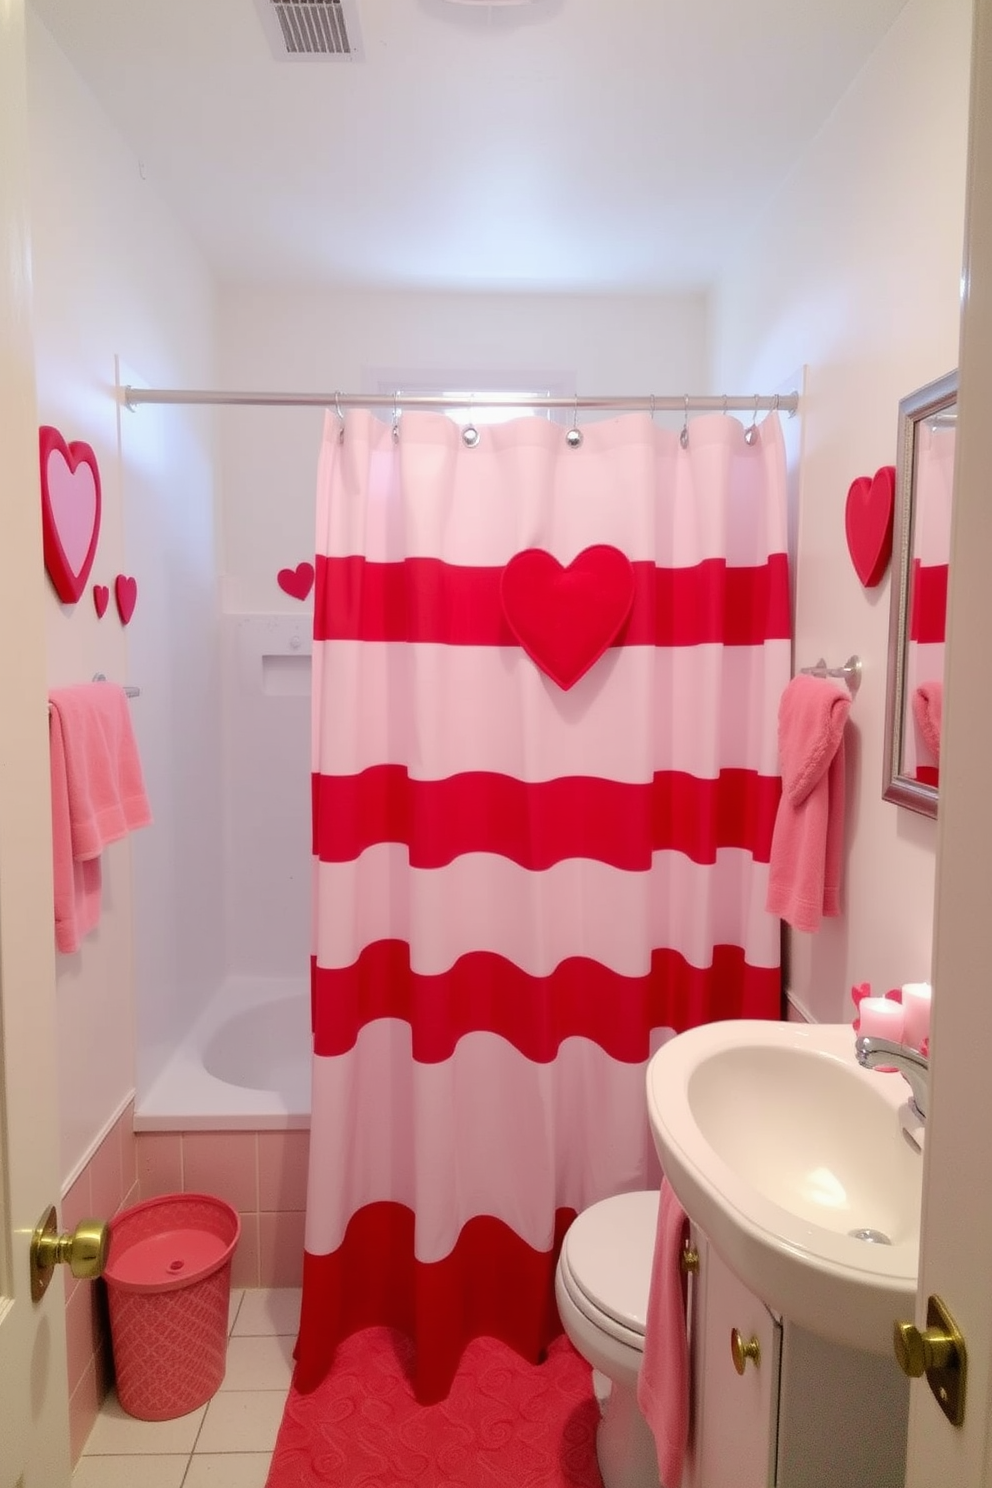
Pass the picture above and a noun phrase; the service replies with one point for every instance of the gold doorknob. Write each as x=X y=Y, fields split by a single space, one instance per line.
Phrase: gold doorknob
x=84 y=1251
x=917 y=1352
x=740 y=1351
x=939 y=1352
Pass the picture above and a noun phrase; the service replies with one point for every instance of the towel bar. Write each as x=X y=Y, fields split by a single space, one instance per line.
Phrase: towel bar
x=131 y=692
x=128 y=691
x=850 y=672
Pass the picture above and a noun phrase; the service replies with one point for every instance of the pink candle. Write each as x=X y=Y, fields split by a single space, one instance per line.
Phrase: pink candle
x=916 y=1011
x=881 y=1018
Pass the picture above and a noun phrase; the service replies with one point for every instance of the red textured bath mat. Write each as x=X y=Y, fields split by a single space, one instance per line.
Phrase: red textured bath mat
x=505 y=1424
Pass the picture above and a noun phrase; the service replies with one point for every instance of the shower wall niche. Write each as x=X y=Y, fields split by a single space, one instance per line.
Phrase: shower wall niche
x=266 y=666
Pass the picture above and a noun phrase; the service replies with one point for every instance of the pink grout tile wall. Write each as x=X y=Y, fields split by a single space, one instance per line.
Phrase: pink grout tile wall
x=108 y=1184
x=262 y=1174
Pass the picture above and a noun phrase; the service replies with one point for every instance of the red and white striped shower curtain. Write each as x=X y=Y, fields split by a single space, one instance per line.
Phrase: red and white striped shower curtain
x=519 y=890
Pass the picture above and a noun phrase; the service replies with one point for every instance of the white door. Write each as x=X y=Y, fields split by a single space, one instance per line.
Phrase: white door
x=956 y=1260
x=34 y=1429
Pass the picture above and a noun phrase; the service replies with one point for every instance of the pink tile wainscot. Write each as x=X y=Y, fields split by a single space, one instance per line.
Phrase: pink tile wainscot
x=262 y=1174
x=106 y=1185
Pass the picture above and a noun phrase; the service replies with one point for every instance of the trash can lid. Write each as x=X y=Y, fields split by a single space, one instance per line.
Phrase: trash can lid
x=174 y=1258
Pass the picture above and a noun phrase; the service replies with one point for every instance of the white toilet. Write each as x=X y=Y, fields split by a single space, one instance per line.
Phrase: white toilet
x=601 y=1284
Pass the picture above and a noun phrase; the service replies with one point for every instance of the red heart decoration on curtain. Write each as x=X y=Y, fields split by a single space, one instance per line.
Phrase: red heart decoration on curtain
x=70 y=511
x=101 y=599
x=565 y=618
x=296 y=581
x=126 y=594
x=868 y=522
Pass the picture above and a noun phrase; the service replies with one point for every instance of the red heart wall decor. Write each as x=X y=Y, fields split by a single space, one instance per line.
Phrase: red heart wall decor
x=296 y=581
x=126 y=594
x=70 y=511
x=565 y=618
x=101 y=599
x=868 y=523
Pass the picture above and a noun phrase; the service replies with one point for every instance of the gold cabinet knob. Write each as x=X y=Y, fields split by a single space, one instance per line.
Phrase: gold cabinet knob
x=689 y=1261
x=84 y=1251
x=740 y=1351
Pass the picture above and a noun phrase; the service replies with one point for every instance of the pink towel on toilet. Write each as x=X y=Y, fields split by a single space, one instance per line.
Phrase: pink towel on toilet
x=805 y=863
x=98 y=795
x=663 y=1383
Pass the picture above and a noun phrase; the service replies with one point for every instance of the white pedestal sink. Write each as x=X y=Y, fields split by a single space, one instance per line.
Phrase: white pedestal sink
x=786 y=1153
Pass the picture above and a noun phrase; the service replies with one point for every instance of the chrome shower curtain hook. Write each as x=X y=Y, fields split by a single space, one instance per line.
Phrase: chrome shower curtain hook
x=470 y=434
x=684 y=435
x=574 y=436
x=653 y=405
x=396 y=418
x=340 y=417
x=751 y=432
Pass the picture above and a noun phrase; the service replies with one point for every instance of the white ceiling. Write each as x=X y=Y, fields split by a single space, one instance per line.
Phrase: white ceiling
x=594 y=145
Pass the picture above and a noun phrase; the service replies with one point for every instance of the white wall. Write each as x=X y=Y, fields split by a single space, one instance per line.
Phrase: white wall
x=320 y=340
x=114 y=275
x=855 y=271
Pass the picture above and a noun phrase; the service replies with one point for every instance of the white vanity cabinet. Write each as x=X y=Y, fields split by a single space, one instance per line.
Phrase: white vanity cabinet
x=733 y=1426
x=805 y=1413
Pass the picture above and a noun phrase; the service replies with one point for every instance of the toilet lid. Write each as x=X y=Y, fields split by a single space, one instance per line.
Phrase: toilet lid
x=609 y=1249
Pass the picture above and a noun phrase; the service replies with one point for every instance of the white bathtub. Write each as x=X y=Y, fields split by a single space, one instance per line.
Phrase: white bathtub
x=244 y=1065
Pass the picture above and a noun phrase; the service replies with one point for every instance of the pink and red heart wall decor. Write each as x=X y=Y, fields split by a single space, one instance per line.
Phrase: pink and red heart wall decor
x=868 y=523
x=296 y=582
x=71 y=506
x=70 y=511
x=125 y=596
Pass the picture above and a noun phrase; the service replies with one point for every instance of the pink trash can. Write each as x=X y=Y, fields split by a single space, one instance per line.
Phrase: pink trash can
x=169 y=1286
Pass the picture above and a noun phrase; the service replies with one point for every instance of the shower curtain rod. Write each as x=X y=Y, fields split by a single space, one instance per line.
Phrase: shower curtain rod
x=133 y=397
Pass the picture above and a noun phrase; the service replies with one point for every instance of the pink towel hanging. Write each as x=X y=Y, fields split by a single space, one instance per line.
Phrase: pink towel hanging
x=98 y=796
x=663 y=1383
x=805 y=862
x=928 y=706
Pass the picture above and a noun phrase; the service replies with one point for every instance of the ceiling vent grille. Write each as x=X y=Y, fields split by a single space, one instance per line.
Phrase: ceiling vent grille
x=311 y=30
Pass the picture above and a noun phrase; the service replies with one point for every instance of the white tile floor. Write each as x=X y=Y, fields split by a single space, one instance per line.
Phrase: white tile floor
x=226 y=1443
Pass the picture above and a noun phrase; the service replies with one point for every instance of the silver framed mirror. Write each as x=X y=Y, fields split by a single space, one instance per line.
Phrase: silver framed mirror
x=918 y=595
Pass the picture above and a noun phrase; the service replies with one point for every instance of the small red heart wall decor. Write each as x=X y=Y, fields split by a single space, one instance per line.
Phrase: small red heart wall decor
x=296 y=581
x=868 y=523
x=566 y=617
x=70 y=511
x=101 y=599
x=126 y=595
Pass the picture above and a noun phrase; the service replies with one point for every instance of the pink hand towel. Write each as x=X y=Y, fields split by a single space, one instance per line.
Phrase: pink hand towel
x=77 y=885
x=928 y=706
x=98 y=796
x=663 y=1383
x=805 y=864
x=103 y=773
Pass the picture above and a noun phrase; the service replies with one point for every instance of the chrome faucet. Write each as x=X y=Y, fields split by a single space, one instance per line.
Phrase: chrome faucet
x=911 y=1064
